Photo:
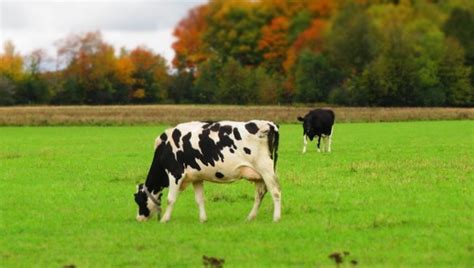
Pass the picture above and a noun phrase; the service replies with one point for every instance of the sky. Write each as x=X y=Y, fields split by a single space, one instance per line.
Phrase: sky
x=34 y=24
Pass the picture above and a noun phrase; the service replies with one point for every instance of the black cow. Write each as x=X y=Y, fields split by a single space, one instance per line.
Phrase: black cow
x=221 y=152
x=318 y=122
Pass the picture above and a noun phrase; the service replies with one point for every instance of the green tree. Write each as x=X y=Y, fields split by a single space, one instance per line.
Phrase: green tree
x=236 y=84
x=460 y=25
x=314 y=77
x=181 y=87
x=7 y=90
x=268 y=86
x=454 y=76
x=206 y=85
x=353 y=40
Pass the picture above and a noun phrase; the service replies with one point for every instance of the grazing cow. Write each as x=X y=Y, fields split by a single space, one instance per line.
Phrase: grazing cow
x=318 y=122
x=221 y=152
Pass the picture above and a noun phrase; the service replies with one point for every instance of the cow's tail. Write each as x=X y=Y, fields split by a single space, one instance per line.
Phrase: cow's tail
x=273 y=139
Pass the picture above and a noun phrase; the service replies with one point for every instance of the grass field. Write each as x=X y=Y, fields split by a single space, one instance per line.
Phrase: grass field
x=391 y=194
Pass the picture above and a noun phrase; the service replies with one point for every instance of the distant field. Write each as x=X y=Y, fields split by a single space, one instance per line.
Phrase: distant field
x=171 y=114
x=391 y=194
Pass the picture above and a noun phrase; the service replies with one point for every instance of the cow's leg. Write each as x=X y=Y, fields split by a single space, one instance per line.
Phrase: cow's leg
x=260 y=191
x=173 y=193
x=271 y=181
x=330 y=140
x=325 y=144
x=199 y=195
x=305 y=142
x=319 y=143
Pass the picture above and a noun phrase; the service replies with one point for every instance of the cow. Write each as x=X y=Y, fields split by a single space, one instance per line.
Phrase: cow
x=220 y=152
x=318 y=122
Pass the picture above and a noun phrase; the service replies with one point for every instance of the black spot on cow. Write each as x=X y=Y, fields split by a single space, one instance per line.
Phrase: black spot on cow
x=215 y=127
x=231 y=151
x=141 y=199
x=163 y=137
x=176 y=135
x=209 y=149
x=247 y=150
x=207 y=124
x=237 y=134
x=188 y=155
x=251 y=128
x=219 y=175
x=224 y=138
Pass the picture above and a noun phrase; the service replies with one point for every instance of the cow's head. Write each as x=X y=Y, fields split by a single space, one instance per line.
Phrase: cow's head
x=307 y=128
x=148 y=203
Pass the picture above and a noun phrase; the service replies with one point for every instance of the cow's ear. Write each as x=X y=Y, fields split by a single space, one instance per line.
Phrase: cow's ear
x=300 y=118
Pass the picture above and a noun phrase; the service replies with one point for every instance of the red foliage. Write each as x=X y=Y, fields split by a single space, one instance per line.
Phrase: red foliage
x=189 y=46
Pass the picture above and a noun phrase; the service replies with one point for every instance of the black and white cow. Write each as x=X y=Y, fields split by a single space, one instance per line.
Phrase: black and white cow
x=318 y=122
x=221 y=152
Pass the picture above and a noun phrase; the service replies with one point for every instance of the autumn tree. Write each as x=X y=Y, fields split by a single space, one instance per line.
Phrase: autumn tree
x=274 y=43
x=150 y=76
x=189 y=47
x=11 y=62
x=234 y=29
x=90 y=65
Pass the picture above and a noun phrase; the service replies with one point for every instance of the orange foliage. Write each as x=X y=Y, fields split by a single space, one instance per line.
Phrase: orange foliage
x=311 y=38
x=274 y=41
x=124 y=70
x=189 y=47
x=322 y=8
x=11 y=63
x=287 y=8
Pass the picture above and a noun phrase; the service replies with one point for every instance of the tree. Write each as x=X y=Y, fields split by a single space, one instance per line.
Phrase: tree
x=11 y=63
x=90 y=66
x=268 y=86
x=190 y=49
x=181 y=89
x=274 y=43
x=454 y=76
x=33 y=88
x=7 y=90
x=314 y=77
x=234 y=30
x=460 y=25
x=311 y=38
x=150 y=76
x=236 y=84
x=206 y=85
x=124 y=80
x=353 y=40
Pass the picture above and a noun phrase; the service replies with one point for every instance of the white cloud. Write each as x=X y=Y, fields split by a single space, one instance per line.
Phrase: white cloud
x=37 y=24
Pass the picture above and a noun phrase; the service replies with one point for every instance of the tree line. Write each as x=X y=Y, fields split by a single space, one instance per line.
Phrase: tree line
x=345 y=52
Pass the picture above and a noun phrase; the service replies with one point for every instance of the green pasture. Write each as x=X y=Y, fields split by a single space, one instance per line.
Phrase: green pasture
x=391 y=194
